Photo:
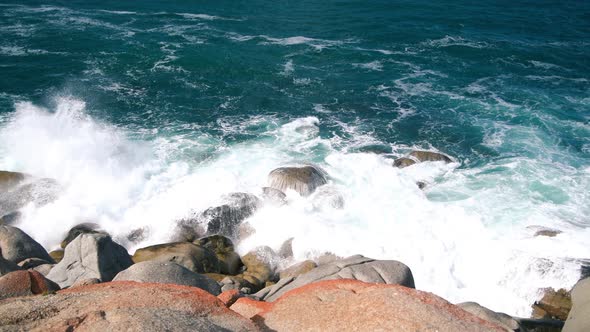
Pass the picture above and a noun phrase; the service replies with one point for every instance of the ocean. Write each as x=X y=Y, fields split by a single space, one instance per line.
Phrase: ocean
x=147 y=111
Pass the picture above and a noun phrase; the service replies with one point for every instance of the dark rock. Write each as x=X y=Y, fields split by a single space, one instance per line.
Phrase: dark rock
x=421 y=184
x=553 y=305
x=84 y=228
x=137 y=235
x=189 y=255
x=486 y=314
x=30 y=263
x=122 y=306
x=90 y=256
x=274 y=196
x=167 y=273
x=286 y=249
x=354 y=267
x=547 y=232
x=16 y=245
x=579 y=316
x=11 y=218
x=375 y=148
x=303 y=179
x=223 y=247
x=259 y=269
x=7 y=266
x=24 y=283
x=223 y=219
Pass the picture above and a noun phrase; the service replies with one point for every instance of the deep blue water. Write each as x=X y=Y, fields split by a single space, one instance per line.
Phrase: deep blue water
x=502 y=86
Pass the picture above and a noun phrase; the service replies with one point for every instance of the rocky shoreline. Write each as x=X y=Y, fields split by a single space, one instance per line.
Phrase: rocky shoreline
x=199 y=282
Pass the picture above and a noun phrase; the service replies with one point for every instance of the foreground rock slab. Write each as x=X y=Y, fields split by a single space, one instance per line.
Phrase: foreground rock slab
x=350 y=305
x=122 y=306
x=578 y=319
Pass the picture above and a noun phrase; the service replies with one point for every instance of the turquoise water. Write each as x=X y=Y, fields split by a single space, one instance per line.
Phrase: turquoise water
x=146 y=111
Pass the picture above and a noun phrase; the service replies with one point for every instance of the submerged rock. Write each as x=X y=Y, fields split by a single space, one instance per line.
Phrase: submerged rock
x=122 y=306
x=189 y=255
x=303 y=180
x=167 y=273
x=17 y=190
x=223 y=219
x=352 y=305
x=327 y=197
x=354 y=267
x=403 y=162
x=16 y=245
x=420 y=156
x=274 y=196
x=90 y=256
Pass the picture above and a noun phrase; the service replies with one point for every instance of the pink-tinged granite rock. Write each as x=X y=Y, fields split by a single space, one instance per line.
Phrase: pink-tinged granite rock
x=229 y=297
x=122 y=306
x=351 y=305
x=250 y=308
x=24 y=283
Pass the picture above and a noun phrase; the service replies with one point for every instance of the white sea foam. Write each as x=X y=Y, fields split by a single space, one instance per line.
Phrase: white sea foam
x=447 y=41
x=465 y=237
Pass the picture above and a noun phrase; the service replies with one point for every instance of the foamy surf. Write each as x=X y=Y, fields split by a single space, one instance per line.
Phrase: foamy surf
x=465 y=237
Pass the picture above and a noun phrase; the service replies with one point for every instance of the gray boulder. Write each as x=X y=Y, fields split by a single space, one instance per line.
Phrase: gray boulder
x=578 y=319
x=303 y=179
x=498 y=318
x=16 y=245
x=193 y=257
x=168 y=273
x=90 y=256
x=355 y=267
